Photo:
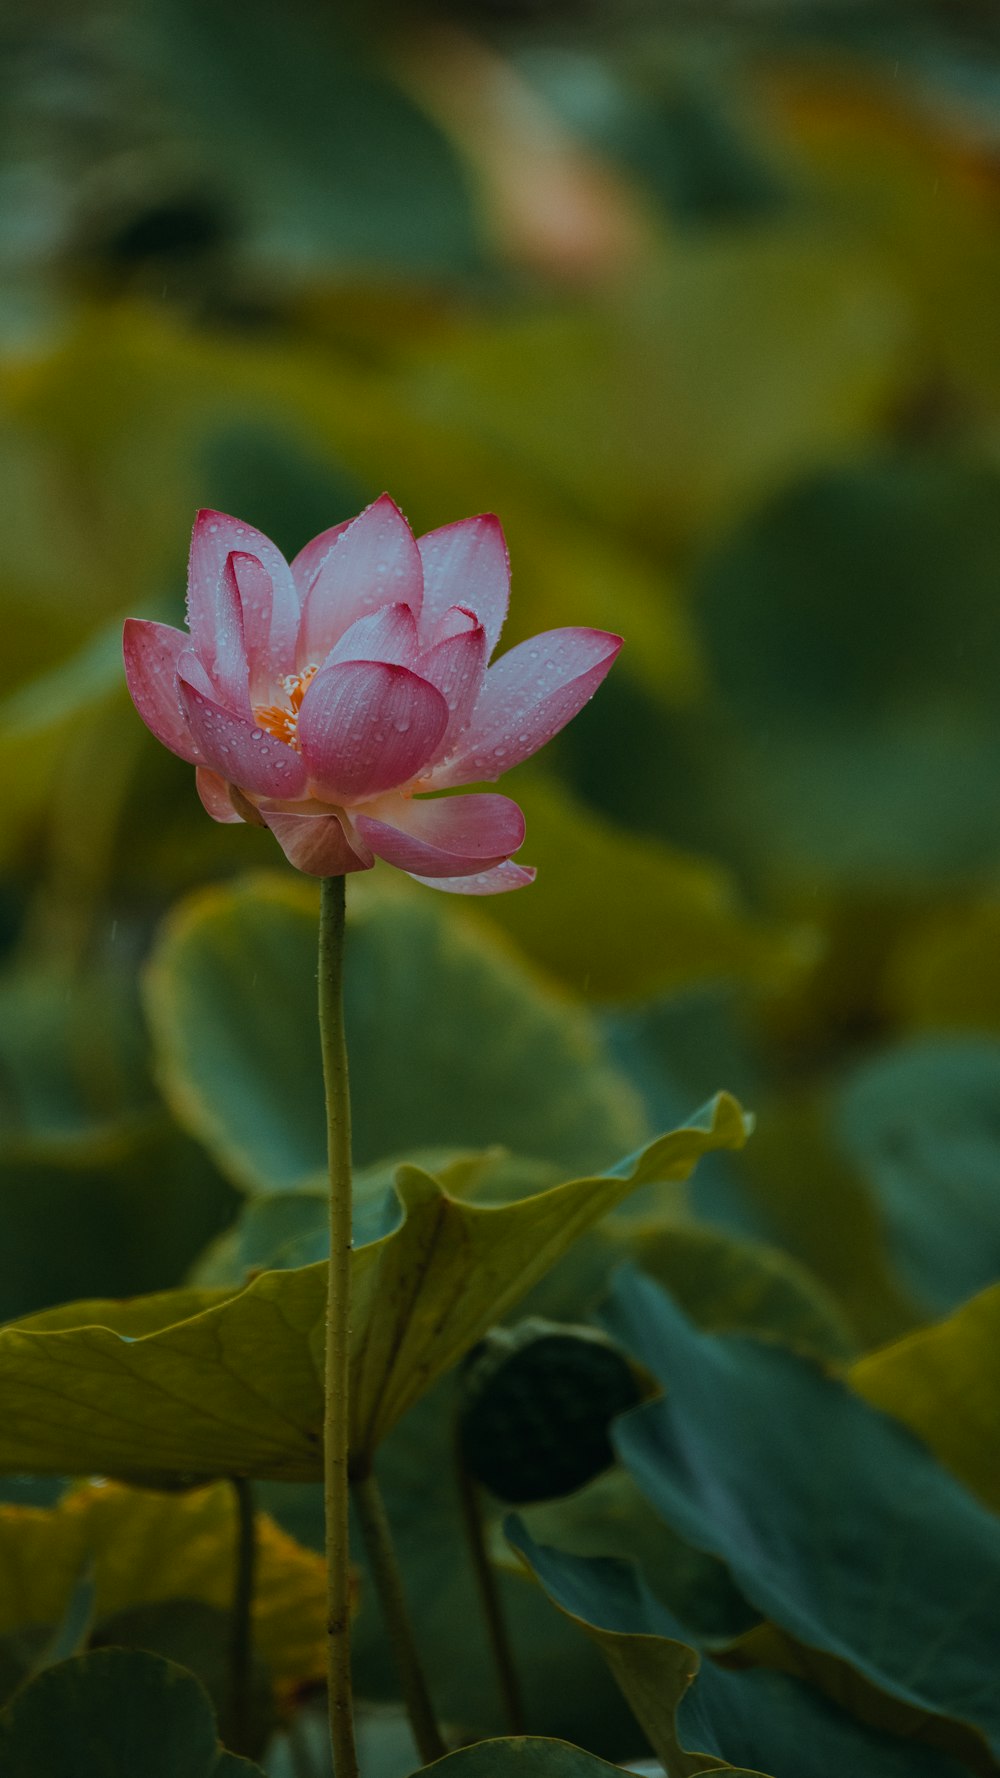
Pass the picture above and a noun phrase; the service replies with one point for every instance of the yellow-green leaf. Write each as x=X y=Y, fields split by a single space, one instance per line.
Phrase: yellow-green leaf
x=223 y=1383
x=945 y=974
x=146 y=1548
x=452 y=1037
x=944 y=1382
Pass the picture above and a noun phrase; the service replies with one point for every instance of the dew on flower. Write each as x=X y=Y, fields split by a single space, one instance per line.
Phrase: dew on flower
x=357 y=750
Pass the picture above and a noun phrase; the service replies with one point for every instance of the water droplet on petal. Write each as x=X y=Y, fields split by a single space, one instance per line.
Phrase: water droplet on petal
x=213 y=527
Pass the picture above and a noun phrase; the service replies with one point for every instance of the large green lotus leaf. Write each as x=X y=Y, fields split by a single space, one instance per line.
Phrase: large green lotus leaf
x=450 y=1037
x=466 y=1264
x=768 y=1648
x=921 y=1123
x=835 y=1522
x=112 y=1714
x=638 y=1638
x=559 y=1673
x=611 y=1518
x=943 y=1381
x=779 y=1722
x=218 y=1383
x=762 y=1719
x=723 y=1281
x=672 y=920
x=278 y=1230
x=146 y=1548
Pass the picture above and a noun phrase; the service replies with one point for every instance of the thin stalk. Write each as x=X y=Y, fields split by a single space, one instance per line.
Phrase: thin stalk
x=241 y=1627
x=388 y=1581
x=470 y=1495
x=336 y=1425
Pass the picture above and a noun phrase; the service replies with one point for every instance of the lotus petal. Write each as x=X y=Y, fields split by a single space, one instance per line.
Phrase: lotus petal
x=373 y=562
x=366 y=726
x=214 y=604
x=455 y=836
x=152 y=655
x=497 y=881
x=527 y=697
x=456 y=666
x=215 y=797
x=467 y=564
x=386 y=635
x=317 y=844
x=239 y=751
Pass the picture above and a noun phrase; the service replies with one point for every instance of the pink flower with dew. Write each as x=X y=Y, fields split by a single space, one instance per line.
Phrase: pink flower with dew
x=330 y=699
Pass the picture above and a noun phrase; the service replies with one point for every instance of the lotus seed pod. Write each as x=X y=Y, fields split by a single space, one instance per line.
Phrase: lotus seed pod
x=535 y=1408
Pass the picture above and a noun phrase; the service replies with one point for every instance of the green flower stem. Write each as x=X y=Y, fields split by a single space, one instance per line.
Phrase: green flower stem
x=470 y=1495
x=388 y=1580
x=336 y=1425
x=241 y=1633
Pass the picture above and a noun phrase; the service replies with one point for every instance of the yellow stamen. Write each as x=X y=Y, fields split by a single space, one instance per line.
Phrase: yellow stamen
x=282 y=722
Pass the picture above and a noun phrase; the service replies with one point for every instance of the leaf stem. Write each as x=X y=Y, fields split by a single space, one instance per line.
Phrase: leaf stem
x=385 y=1571
x=470 y=1495
x=336 y=1425
x=241 y=1632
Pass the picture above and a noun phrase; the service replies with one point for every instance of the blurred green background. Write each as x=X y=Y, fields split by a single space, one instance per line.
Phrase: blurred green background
x=703 y=302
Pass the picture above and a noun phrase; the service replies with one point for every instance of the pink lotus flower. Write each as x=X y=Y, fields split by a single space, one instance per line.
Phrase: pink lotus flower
x=323 y=700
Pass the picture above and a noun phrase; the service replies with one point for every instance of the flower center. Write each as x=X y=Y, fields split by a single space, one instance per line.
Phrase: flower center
x=282 y=721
